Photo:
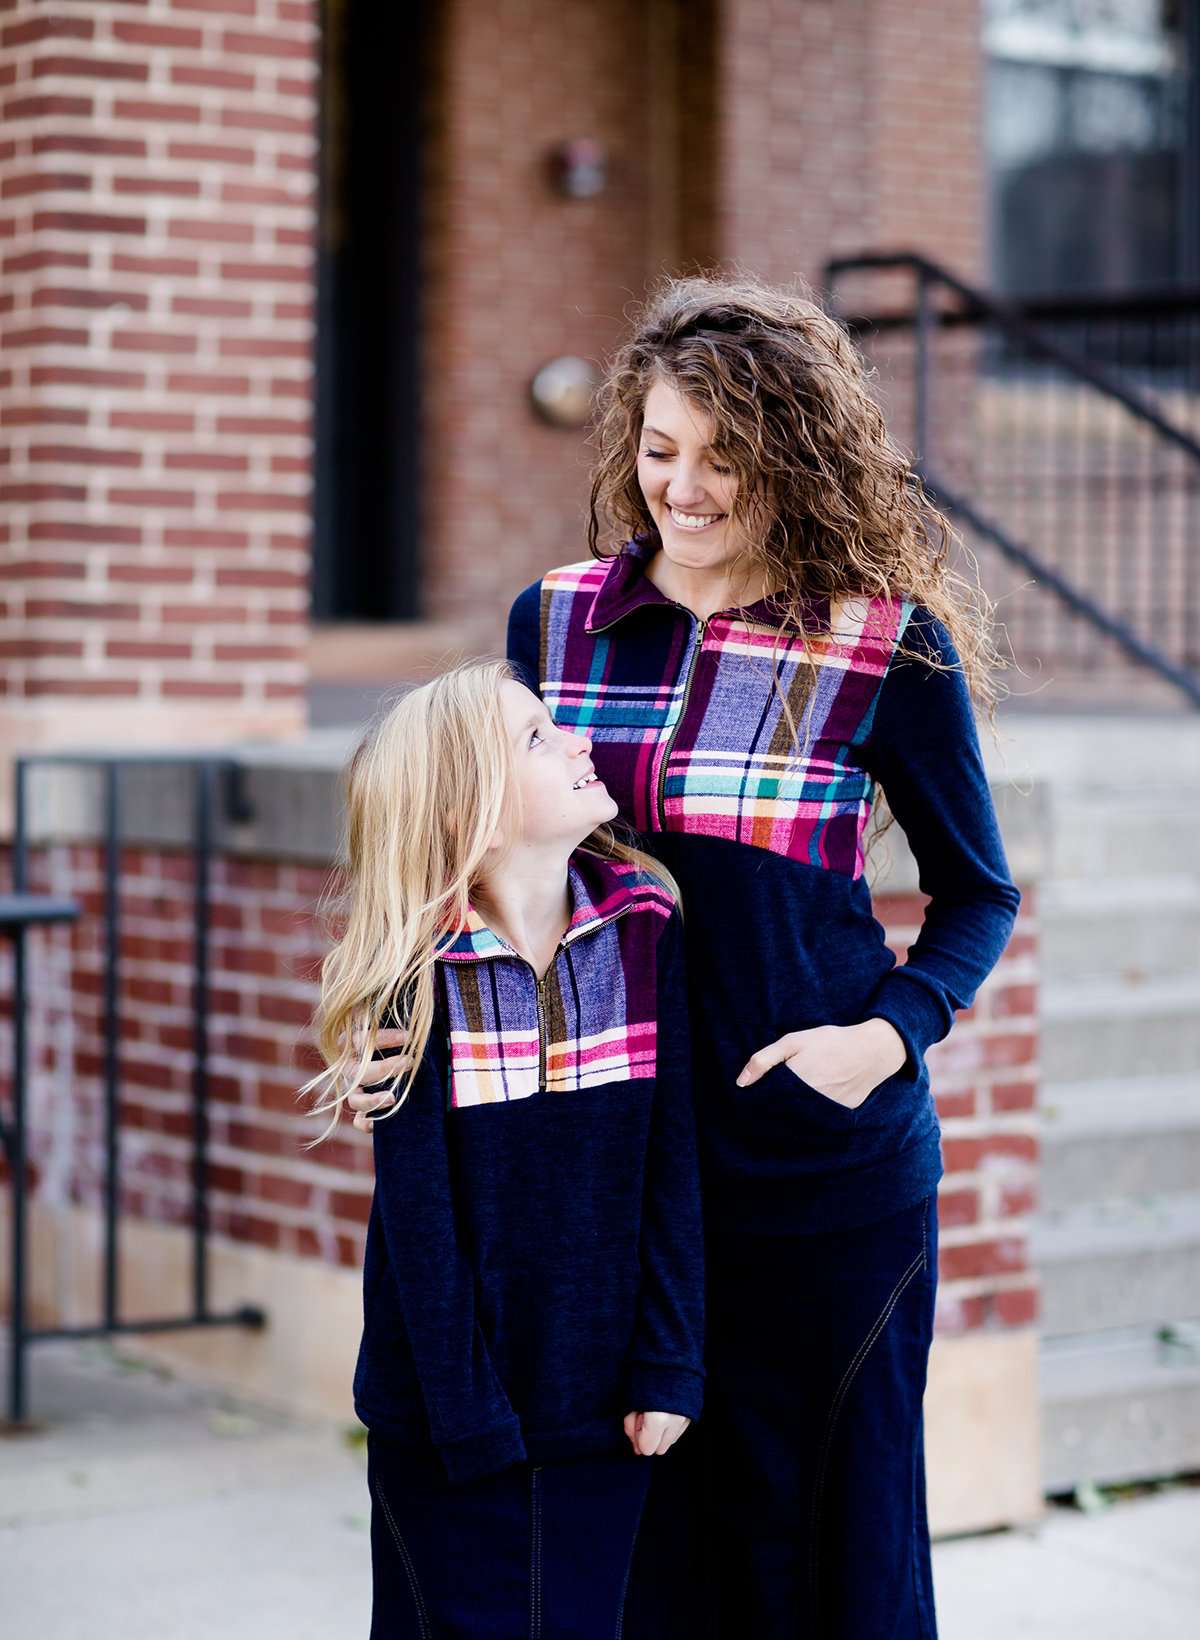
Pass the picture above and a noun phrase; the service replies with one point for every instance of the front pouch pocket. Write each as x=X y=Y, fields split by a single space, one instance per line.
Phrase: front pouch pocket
x=791 y=1107
x=897 y=1101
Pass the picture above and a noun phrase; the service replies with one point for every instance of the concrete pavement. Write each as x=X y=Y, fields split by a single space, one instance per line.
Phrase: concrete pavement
x=148 y=1509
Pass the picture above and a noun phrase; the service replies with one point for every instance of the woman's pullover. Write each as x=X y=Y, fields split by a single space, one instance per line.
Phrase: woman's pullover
x=690 y=735
x=533 y=1265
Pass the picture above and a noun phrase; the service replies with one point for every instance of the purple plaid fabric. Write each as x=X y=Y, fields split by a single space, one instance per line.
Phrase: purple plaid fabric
x=589 y=1022
x=697 y=739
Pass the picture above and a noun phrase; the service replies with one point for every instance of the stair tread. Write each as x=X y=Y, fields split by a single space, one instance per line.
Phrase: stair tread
x=1100 y=995
x=1107 y=1228
x=1120 y=1106
x=1097 y=897
x=1131 y=1361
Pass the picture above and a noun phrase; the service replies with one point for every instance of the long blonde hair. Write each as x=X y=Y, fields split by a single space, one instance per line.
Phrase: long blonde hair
x=426 y=790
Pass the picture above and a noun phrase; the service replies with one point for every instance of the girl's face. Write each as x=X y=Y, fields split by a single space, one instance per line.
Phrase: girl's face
x=688 y=489
x=562 y=799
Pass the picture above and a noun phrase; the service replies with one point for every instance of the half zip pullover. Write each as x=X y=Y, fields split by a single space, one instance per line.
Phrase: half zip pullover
x=533 y=1268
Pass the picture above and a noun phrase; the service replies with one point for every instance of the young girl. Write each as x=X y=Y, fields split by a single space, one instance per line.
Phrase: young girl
x=533 y=1272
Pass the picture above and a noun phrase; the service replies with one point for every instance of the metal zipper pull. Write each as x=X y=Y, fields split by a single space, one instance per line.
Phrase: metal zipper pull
x=541 y=1013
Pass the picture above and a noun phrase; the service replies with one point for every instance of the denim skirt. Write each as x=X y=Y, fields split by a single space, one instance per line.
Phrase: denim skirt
x=537 y=1552
x=795 y=1509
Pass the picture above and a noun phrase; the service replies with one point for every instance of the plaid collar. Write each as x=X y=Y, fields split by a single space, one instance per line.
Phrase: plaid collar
x=599 y=889
x=626 y=587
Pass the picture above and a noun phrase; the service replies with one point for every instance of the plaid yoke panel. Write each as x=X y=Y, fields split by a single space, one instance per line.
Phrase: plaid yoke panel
x=731 y=772
x=627 y=700
x=600 y=1004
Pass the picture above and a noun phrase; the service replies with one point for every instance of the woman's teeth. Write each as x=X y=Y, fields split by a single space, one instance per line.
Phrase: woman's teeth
x=587 y=780
x=693 y=521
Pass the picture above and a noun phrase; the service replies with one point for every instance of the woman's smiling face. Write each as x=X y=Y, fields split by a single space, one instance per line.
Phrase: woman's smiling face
x=688 y=489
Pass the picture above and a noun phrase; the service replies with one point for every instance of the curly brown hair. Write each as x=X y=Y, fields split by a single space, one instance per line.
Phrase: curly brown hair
x=830 y=505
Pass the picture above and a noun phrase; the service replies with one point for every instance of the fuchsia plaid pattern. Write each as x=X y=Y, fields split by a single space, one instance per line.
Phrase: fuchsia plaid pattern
x=688 y=726
x=599 y=1008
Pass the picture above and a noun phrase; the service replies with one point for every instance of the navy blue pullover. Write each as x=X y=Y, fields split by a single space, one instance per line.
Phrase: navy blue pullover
x=689 y=735
x=533 y=1265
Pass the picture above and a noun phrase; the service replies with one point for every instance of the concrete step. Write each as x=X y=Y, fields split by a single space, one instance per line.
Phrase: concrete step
x=1107 y=834
x=1094 y=1028
x=1129 y=929
x=1118 y=1263
x=1131 y=1137
x=1122 y=1407
x=1154 y=753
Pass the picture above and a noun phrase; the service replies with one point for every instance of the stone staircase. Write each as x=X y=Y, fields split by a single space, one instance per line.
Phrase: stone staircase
x=1117 y=1239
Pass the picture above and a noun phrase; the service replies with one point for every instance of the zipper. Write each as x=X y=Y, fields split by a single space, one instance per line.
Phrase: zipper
x=694 y=656
x=541 y=1016
x=697 y=644
x=540 y=984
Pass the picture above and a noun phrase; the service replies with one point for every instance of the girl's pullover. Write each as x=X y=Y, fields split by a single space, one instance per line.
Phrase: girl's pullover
x=689 y=735
x=533 y=1265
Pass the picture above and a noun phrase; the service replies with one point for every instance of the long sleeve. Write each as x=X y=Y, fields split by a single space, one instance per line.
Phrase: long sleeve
x=924 y=751
x=471 y=1420
x=524 y=636
x=666 y=1362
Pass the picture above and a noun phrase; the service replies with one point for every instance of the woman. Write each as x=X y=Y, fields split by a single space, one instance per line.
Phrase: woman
x=532 y=1287
x=778 y=635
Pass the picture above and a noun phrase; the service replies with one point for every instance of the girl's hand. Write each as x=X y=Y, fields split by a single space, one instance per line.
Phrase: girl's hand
x=843 y=1062
x=379 y=1070
x=653 y=1433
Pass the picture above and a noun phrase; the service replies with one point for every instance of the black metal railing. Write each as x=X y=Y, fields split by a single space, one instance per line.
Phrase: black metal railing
x=209 y=777
x=1063 y=436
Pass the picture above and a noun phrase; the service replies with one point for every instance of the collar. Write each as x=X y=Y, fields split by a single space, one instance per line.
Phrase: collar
x=627 y=587
x=600 y=890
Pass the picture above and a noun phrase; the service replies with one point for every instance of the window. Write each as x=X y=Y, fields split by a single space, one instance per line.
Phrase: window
x=1091 y=142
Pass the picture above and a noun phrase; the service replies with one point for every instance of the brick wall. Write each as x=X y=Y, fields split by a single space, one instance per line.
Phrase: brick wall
x=157 y=165
x=753 y=132
x=268 y=1191
x=516 y=274
x=925 y=104
x=157 y=179
x=848 y=125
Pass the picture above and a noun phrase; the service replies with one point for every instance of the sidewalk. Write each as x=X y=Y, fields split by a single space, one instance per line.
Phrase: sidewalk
x=149 y=1510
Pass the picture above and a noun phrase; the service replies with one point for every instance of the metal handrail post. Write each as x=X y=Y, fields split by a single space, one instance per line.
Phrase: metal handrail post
x=16 y=1169
x=202 y=868
x=15 y=1146
x=112 y=914
x=924 y=329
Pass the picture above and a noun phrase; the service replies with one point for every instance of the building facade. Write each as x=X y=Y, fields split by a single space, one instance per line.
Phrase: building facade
x=275 y=279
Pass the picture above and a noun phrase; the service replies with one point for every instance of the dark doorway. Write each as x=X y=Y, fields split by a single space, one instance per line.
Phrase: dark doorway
x=366 y=550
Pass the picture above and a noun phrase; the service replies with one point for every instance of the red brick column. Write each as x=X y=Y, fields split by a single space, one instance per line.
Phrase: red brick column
x=157 y=183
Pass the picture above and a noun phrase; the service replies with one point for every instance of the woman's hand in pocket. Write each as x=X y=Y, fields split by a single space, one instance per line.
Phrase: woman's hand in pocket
x=842 y=1062
x=653 y=1433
